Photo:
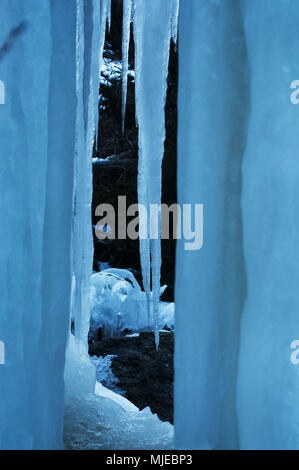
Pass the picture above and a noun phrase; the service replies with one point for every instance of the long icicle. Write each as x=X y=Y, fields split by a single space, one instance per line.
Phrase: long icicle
x=108 y=13
x=127 y=18
x=174 y=20
x=79 y=152
x=90 y=45
x=153 y=29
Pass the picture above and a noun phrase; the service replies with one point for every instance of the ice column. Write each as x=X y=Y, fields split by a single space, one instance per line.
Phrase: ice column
x=37 y=134
x=210 y=283
x=237 y=301
x=268 y=384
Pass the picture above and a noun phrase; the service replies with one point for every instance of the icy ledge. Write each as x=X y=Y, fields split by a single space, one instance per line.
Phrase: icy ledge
x=97 y=422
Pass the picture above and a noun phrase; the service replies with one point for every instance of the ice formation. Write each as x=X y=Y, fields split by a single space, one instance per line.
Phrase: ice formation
x=116 y=298
x=50 y=114
x=237 y=298
x=92 y=16
x=95 y=422
x=37 y=135
x=118 y=303
x=127 y=19
x=153 y=29
x=96 y=418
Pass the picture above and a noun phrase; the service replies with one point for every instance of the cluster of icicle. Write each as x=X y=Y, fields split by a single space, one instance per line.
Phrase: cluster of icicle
x=155 y=24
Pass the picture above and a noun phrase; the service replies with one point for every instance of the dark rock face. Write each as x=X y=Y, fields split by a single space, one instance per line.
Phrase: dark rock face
x=144 y=374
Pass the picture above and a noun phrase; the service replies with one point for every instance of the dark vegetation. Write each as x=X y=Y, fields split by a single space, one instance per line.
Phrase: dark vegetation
x=119 y=178
x=144 y=374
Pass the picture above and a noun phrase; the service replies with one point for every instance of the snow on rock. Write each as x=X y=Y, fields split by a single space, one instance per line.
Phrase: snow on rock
x=111 y=69
x=104 y=374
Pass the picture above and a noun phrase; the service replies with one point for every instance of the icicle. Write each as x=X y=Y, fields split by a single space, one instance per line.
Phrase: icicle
x=127 y=18
x=79 y=149
x=91 y=27
x=105 y=16
x=96 y=59
x=108 y=14
x=174 y=20
x=153 y=29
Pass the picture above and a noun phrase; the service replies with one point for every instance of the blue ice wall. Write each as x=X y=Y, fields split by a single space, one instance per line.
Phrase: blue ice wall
x=210 y=283
x=268 y=382
x=37 y=134
x=237 y=299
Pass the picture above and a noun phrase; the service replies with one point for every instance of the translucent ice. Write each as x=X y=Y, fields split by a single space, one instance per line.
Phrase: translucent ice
x=117 y=303
x=36 y=180
x=91 y=26
x=105 y=420
x=127 y=18
x=237 y=298
x=153 y=29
